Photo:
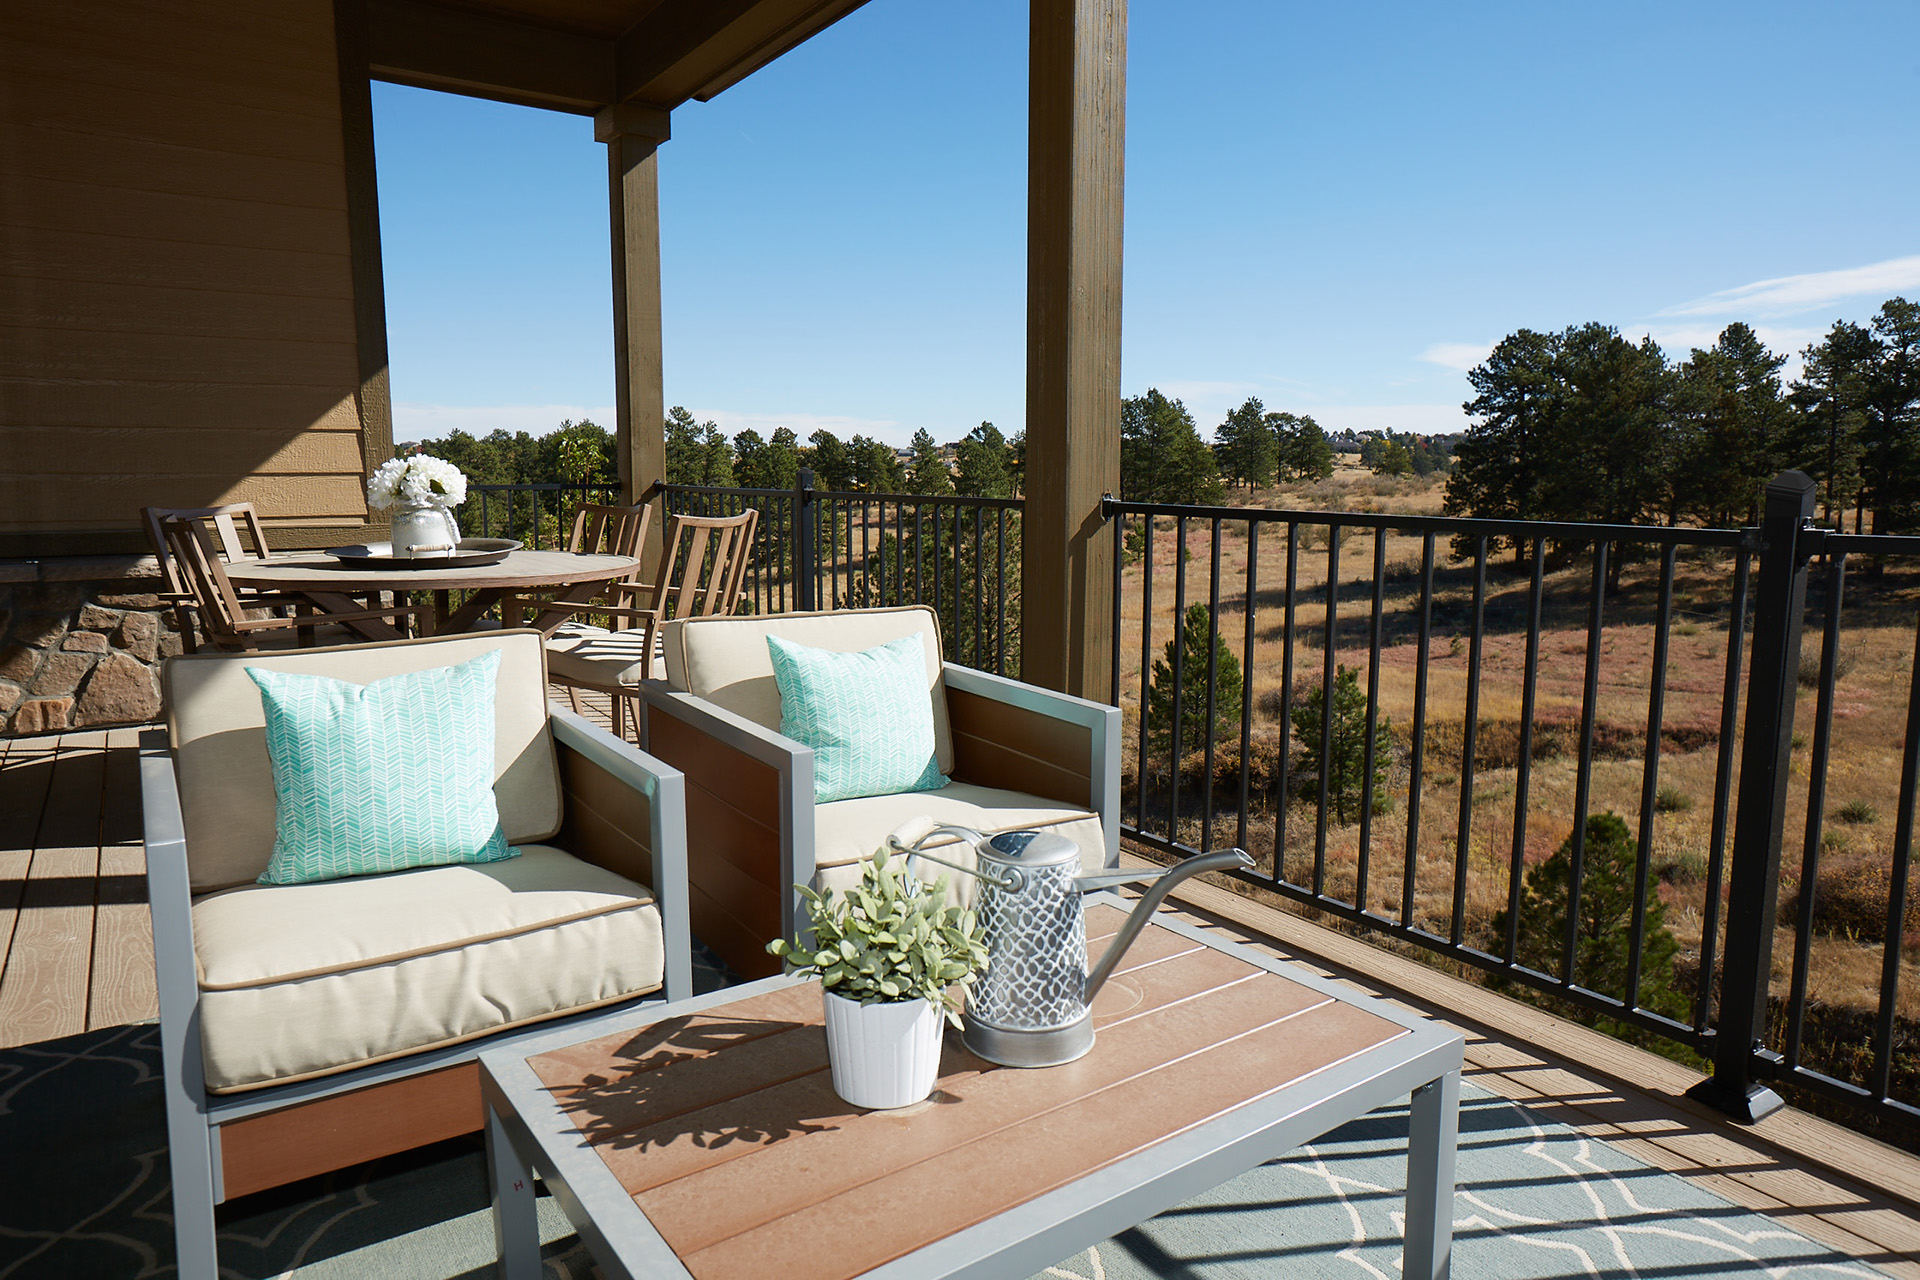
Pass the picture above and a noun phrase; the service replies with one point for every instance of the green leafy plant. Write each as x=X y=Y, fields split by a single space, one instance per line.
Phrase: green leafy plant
x=890 y=938
x=1672 y=800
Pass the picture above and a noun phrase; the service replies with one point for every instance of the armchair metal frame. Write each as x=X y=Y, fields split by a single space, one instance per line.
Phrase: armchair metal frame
x=225 y=1145
x=750 y=792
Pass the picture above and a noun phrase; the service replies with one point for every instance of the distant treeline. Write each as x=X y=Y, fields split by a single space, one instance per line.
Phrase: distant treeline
x=1587 y=425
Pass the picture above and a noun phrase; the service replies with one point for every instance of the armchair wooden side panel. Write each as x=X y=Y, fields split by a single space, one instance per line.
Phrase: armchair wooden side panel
x=1020 y=737
x=750 y=810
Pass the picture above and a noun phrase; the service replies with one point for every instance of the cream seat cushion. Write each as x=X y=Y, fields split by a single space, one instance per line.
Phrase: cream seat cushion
x=847 y=832
x=594 y=655
x=304 y=980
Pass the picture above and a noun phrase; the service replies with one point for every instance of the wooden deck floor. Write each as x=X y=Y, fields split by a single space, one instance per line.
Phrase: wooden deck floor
x=76 y=954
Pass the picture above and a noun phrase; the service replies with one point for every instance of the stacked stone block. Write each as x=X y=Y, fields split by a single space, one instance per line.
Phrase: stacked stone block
x=81 y=642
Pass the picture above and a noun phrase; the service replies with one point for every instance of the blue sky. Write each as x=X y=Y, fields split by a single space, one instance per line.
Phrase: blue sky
x=1338 y=208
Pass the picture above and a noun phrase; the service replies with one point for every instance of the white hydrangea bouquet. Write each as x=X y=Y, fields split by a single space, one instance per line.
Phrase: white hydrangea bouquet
x=416 y=480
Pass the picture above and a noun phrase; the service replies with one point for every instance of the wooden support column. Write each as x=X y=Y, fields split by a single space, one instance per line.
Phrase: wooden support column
x=633 y=134
x=1077 y=79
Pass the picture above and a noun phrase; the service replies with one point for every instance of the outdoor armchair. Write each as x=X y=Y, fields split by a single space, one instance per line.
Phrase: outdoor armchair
x=311 y=1026
x=1018 y=756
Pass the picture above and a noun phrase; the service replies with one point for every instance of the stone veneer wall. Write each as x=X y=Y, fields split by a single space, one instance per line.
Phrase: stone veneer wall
x=81 y=642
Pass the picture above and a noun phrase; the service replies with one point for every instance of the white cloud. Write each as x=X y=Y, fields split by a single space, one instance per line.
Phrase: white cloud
x=1459 y=356
x=1787 y=295
x=414 y=421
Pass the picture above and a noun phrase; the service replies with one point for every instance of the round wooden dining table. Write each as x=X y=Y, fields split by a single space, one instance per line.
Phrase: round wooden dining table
x=330 y=585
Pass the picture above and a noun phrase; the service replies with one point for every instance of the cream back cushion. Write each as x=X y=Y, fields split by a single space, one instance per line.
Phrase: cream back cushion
x=725 y=660
x=219 y=736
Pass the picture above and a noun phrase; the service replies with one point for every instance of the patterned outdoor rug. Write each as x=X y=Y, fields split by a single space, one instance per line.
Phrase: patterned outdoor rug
x=83 y=1194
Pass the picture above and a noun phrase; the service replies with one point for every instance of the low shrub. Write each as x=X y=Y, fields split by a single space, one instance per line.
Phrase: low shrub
x=1857 y=813
x=1850 y=898
x=1671 y=800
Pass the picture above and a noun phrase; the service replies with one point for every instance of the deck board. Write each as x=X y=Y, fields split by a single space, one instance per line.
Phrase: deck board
x=49 y=964
x=23 y=791
x=121 y=986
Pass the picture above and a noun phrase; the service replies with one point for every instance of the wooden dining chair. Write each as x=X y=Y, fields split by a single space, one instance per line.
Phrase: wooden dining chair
x=225 y=614
x=225 y=521
x=701 y=573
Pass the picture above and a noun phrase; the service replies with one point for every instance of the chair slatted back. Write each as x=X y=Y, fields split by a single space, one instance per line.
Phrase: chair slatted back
x=205 y=578
x=609 y=530
x=711 y=554
x=226 y=521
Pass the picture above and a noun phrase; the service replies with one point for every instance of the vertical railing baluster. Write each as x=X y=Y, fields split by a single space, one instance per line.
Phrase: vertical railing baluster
x=1469 y=742
x=1816 y=809
x=1146 y=671
x=1246 y=679
x=1650 y=779
x=1000 y=593
x=1213 y=679
x=1329 y=646
x=1368 y=749
x=979 y=593
x=1281 y=780
x=1583 y=777
x=1523 y=769
x=1119 y=519
x=1410 y=876
x=1178 y=726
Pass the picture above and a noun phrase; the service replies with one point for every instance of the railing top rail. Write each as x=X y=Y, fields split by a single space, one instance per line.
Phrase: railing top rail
x=1660 y=535
x=854 y=495
x=1868 y=544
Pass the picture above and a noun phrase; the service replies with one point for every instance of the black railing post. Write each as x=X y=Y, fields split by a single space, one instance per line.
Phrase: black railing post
x=806 y=585
x=1765 y=758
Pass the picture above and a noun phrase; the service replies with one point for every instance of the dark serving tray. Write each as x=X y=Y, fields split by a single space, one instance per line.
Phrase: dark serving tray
x=468 y=552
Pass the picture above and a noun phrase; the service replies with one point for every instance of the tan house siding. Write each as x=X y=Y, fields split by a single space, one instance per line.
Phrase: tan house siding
x=177 y=308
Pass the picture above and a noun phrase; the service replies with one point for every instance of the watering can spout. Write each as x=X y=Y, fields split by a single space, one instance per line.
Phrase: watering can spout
x=1164 y=883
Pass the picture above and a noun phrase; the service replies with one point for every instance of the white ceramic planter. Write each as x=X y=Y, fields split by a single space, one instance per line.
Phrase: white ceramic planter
x=882 y=1055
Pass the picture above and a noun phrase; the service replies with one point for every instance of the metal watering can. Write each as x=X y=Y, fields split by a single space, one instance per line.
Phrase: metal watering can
x=1033 y=1005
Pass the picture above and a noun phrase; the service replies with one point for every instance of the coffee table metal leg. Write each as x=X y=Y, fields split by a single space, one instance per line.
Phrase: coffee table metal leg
x=516 y=1225
x=1430 y=1154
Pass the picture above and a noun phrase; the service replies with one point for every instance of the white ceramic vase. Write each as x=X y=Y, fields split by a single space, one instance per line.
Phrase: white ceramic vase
x=883 y=1055
x=423 y=531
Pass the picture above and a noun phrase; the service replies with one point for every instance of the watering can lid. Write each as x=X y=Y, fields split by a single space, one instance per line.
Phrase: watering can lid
x=1029 y=849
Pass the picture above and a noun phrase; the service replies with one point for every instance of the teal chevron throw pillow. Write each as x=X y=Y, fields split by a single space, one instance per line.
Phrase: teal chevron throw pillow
x=383 y=776
x=868 y=716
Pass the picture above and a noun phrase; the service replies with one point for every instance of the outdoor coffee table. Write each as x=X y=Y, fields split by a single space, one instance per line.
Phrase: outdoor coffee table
x=705 y=1140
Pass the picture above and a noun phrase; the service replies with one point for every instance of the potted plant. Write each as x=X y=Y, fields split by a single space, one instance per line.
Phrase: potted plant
x=890 y=956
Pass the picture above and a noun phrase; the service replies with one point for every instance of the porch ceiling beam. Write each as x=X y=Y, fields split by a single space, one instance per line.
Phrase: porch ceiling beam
x=433 y=46
x=681 y=51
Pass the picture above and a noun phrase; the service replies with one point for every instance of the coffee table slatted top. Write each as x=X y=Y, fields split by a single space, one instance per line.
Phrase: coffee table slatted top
x=748 y=1164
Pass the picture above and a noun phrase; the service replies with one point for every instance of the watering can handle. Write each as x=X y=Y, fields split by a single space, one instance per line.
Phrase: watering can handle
x=1013 y=881
x=1167 y=878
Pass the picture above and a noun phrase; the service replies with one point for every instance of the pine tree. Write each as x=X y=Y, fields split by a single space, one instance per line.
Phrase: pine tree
x=927 y=471
x=1604 y=932
x=1302 y=451
x=1246 y=447
x=981 y=464
x=1194 y=641
x=1890 y=469
x=831 y=461
x=1831 y=400
x=1162 y=458
x=686 y=448
x=716 y=458
x=1347 y=748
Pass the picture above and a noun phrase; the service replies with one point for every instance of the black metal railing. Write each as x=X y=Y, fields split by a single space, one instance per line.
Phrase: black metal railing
x=1561 y=698
x=1545 y=674
x=1416 y=887
x=828 y=549
x=539 y=515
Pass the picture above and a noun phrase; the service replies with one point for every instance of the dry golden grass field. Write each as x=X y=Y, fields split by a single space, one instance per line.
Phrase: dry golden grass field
x=1876 y=657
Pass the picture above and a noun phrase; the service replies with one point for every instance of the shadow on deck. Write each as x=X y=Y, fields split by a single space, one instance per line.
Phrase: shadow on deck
x=76 y=955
